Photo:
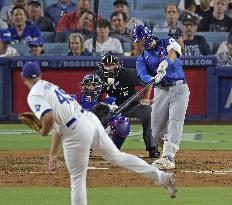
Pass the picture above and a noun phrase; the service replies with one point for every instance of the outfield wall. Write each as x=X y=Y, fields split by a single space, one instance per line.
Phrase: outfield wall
x=210 y=86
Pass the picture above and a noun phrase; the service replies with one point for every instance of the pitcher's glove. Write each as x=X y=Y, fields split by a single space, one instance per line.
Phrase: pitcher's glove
x=29 y=119
x=102 y=111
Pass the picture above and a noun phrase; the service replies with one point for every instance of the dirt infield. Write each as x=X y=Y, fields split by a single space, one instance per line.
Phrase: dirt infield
x=194 y=168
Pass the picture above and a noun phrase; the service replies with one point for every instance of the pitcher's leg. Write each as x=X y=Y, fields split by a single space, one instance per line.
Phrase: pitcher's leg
x=76 y=153
x=107 y=149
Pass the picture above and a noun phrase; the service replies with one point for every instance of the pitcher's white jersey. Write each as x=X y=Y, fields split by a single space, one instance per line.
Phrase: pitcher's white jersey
x=45 y=96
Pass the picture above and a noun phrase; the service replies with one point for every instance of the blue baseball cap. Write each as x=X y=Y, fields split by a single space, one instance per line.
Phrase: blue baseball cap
x=35 y=2
x=36 y=42
x=5 y=35
x=31 y=70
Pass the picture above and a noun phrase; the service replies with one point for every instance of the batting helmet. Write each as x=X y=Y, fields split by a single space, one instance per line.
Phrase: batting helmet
x=140 y=32
x=91 y=79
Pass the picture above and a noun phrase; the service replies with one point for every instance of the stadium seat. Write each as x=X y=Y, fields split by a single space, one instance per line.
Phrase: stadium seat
x=153 y=4
x=61 y=37
x=58 y=49
x=214 y=39
x=48 y=37
x=149 y=16
x=126 y=47
x=21 y=48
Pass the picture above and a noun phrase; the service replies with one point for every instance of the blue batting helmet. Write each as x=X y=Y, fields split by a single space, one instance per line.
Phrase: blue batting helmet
x=142 y=31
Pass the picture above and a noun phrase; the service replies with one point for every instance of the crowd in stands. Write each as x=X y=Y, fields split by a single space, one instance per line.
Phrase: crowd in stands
x=39 y=25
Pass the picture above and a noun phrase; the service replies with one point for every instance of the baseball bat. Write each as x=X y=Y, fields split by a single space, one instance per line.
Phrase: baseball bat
x=124 y=105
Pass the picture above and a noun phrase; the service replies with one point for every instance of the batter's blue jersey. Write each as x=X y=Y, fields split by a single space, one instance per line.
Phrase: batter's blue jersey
x=148 y=63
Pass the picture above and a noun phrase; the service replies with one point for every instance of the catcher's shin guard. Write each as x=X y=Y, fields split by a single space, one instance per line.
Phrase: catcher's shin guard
x=118 y=141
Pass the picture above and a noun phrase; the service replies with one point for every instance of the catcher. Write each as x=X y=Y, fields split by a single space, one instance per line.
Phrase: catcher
x=93 y=99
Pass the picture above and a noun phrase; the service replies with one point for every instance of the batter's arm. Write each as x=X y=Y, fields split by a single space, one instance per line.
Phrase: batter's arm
x=146 y=97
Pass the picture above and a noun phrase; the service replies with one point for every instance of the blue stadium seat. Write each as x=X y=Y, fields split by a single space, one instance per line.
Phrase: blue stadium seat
x=126 y=47
x=149 y=16
x=153 y=4
x=48 y=37
x=58 y=49
x=21 y=48
x=214 y=39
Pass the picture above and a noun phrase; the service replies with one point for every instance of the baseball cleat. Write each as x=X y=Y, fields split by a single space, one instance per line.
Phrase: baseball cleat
x=170 y=185
x=164 y=163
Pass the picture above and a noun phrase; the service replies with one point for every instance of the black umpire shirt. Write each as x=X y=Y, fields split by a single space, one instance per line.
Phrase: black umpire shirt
x=124 y=86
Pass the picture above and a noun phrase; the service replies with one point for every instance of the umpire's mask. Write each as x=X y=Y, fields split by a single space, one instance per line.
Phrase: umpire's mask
x=110 y=66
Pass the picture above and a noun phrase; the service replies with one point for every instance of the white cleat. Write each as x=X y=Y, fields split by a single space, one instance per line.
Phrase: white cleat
x=164 y=163
x=170 y=185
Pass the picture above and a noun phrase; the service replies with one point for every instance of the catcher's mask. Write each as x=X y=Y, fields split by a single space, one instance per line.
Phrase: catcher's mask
x=110 y=65
x=91 y=86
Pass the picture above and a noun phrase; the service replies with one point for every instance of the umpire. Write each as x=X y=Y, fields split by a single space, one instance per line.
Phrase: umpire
x=120 y=82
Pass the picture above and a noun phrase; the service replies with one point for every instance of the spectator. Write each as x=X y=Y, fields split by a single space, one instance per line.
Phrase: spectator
x=217 y=21
x=104 y=42
x=5 y=49
x=2 y=3
x=204 y=9
x=35 y=16
x=187 y=6
x=83 y=24
x=22 y=31
x=225 y=58
x=118 y=23
x=194 y=45
x=36 y=47
x=59 y=9
x=122 y=5
x=177 y=34
x=76 y=45
x=3 y=24
x=172 y=16
x=6 y=11
x=83 y=4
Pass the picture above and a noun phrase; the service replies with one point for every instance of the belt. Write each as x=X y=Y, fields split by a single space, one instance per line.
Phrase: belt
x=172 y=83
x=70 y=122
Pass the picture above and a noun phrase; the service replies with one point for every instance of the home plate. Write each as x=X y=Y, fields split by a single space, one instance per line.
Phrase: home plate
x=208 y=172
x=100 y=168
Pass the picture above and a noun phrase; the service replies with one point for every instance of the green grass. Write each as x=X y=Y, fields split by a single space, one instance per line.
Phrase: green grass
x=117 y=196
x=206 y=137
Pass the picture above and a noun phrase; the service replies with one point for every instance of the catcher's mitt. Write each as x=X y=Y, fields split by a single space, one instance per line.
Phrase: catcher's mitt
x=29 y=119
x=102 y=111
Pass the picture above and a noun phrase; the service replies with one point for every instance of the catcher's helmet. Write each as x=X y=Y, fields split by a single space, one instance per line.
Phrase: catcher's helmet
x=107 y=65
x=91 y=79
x=142 y=31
